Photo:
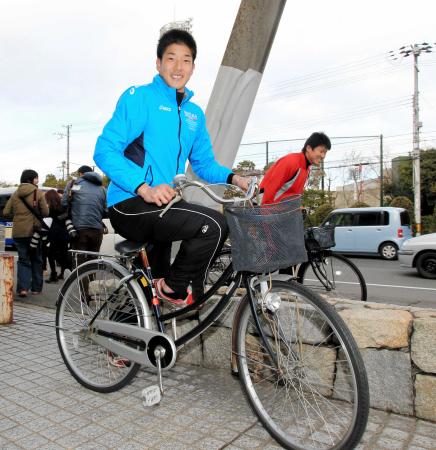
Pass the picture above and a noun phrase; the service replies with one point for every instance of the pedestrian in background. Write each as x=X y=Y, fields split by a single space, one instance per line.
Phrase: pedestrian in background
x=57 y=251
x=85 y=200
x=25 y=204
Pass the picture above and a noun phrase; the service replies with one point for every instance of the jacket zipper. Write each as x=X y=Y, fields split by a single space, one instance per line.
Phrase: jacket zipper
x=179 y=108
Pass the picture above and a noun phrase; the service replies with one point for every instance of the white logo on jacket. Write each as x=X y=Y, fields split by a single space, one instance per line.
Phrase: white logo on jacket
x=191 y=120
x=164 y=108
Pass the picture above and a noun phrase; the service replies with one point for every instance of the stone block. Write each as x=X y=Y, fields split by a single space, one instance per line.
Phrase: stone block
x=226 y=319
x=423 y=348
x=217 y=348
x=191 y=353
x=303 y=323
x=420 y=313
x=425 y=400
x=390 y=380
x=319 y=365
x=385 y=328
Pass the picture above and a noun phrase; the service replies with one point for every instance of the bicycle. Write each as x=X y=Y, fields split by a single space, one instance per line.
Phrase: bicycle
x=297 y=362
x=332 y=275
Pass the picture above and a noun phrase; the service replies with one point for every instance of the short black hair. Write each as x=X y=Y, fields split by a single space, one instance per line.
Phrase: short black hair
x=316 y=139
x=176 y=36
x=84 y=169
x=28 y=176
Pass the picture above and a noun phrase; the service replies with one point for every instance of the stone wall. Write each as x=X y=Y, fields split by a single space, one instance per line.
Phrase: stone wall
x=398 y=347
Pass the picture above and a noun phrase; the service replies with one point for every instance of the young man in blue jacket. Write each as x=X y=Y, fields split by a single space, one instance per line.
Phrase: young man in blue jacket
x=153 y=132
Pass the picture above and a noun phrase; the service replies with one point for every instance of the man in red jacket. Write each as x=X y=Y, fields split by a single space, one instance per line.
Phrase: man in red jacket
x=289 y=174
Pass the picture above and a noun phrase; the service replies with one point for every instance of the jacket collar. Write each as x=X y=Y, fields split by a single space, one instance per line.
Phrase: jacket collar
x=305 y=159
x=170 y=92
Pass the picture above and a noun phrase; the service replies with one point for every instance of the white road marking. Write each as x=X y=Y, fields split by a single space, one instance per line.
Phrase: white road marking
x=401 y=287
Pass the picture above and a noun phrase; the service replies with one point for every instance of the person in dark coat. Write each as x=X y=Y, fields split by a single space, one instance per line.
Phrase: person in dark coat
x=85 y=200
x=57 y=253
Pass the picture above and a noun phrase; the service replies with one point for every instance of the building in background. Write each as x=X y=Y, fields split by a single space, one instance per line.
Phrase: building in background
x=185 y=25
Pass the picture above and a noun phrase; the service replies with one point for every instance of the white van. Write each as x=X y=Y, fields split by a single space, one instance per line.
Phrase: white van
x=378 y=230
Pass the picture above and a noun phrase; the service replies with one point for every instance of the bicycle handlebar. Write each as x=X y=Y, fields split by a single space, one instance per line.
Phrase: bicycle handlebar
x=180 y=182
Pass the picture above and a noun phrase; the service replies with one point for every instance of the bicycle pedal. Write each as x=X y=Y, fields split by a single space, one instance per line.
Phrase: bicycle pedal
x=151 y=395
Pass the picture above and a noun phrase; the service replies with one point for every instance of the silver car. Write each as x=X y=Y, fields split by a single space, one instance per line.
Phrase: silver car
x=420 y=252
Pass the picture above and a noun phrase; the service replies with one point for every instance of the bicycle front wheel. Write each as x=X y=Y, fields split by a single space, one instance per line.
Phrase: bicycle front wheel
x=90 y=287
x=333 y=276
x=305 y=378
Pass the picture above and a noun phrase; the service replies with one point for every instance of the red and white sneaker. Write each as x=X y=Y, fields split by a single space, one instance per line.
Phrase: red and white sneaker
x=172 y=298
x=117 y=361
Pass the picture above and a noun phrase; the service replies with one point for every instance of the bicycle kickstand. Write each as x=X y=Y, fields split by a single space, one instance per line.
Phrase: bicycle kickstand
x=159 y=353
x=152 y=395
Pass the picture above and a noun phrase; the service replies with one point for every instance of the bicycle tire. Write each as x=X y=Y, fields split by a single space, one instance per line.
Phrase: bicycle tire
x=316 y=395
x=85 y=290
x=345 y=280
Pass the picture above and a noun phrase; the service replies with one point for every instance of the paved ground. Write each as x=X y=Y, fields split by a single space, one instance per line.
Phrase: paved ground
x=42 y=406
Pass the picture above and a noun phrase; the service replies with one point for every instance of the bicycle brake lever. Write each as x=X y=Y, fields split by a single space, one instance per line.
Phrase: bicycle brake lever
x=176 y=199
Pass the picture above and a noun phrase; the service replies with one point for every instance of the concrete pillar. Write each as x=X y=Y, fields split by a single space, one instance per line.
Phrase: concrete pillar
x=6 y=288
x=239 y=78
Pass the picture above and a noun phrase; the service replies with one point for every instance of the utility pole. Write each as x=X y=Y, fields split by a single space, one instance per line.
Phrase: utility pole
x=267 y=153
x=62 y=167
x=321 y=169
x=381 y=171
x=405 y=51
x=67 y=135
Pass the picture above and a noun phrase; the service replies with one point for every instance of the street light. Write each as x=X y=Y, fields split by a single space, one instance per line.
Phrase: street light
x=403 y=52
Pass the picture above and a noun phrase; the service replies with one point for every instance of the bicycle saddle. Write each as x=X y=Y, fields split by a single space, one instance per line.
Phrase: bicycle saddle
x=127 y=246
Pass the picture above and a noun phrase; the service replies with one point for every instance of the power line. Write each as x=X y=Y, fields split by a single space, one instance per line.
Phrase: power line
x=341 y=116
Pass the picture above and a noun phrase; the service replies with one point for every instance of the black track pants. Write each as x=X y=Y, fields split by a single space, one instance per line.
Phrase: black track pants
x=202 y=232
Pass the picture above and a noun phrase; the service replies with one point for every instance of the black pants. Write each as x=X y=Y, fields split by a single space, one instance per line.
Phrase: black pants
x=202 y=232
x=58 y=253
x=87 y=239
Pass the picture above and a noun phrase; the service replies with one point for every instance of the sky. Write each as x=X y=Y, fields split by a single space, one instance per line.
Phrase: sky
x=66 y=63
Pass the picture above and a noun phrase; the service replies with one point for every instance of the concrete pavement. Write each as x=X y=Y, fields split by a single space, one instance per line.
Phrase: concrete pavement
x=42 y=406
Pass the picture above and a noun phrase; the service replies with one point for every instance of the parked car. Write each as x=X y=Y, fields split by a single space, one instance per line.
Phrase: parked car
x=377 y=230
x=420 y=252
x=5 y=193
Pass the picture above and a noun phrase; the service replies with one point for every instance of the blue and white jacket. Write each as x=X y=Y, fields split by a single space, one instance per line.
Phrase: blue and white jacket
x=150 y=138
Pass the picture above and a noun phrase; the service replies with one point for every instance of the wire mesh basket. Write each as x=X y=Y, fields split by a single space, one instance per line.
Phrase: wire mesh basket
x=318 y=238
x=268 y=237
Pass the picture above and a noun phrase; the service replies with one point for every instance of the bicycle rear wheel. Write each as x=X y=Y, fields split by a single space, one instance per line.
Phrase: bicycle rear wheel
x=219 y=265
x=83 y=294
x=309 y=389
x=333 y=276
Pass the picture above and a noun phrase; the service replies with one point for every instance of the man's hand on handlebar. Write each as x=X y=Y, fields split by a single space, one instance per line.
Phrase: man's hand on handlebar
x=160 y=195
x=241 y=182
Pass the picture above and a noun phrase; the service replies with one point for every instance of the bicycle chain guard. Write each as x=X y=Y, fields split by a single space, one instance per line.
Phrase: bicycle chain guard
x=110 y=335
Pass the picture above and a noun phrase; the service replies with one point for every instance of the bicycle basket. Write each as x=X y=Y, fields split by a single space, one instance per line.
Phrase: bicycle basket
x=268 y=237
x=317 y=238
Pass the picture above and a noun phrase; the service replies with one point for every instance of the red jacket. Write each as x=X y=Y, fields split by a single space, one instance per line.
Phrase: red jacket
x=285 y=178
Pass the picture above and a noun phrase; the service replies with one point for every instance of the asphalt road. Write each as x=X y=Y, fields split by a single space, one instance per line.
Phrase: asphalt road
x=388 y=282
